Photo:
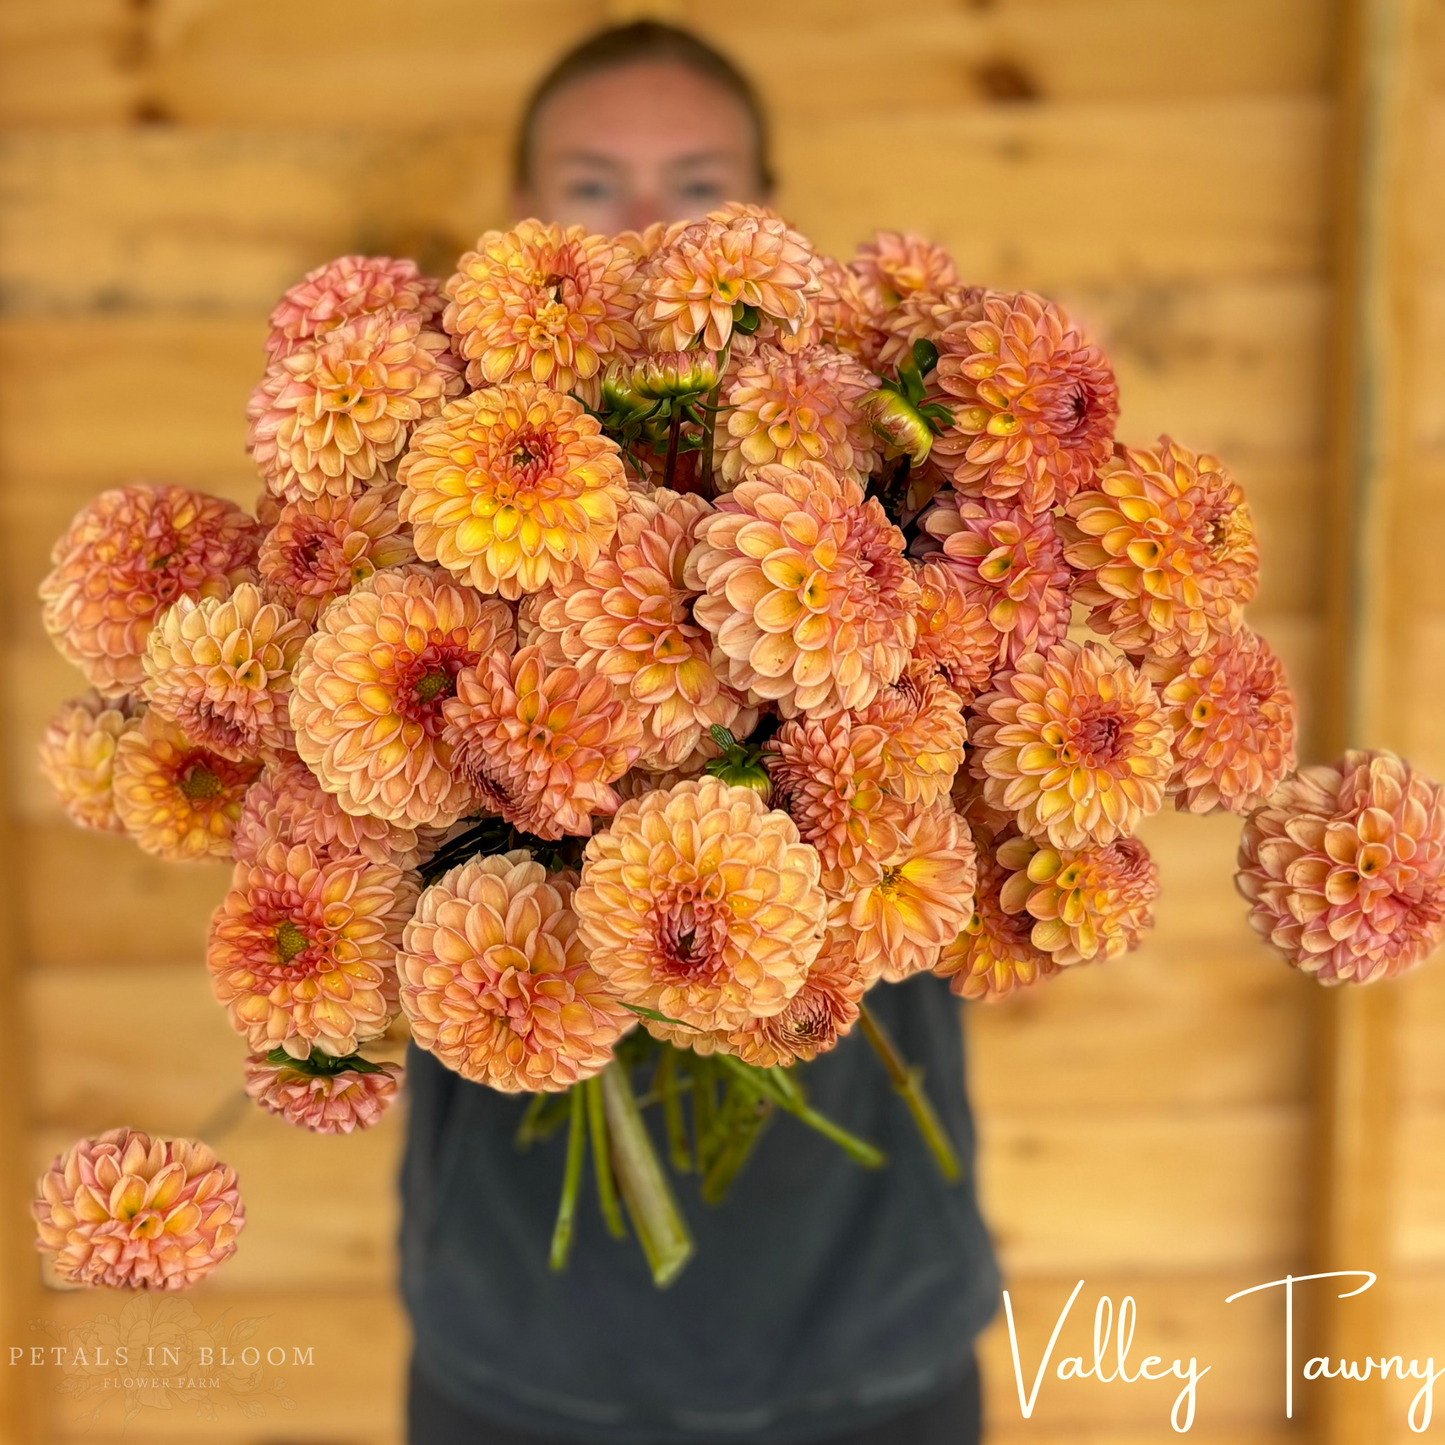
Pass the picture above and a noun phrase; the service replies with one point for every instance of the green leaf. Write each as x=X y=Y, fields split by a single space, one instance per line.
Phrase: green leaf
x=925 y=356
x=746 y=319
x=657 y=1018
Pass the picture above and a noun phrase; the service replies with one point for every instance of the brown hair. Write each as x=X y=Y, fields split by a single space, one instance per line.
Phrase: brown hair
x=641 y=41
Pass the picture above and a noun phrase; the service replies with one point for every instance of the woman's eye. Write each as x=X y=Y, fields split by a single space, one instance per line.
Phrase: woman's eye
x=701 y=191
x=589 y=191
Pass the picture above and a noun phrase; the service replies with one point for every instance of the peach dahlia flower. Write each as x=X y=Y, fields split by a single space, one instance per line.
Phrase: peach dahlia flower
x=702 y=904
x=127 y=556
x=177 y=800
x=921 y=720
x=809 y=597
x=77 y=757
x=954 y=630
x=302 y=951
x=333 y=1102
x=895 y=264
x=538 y=743
x=1034 y=403
x=220 y=669
x=496 y=981
x=1165 y=542
x=543 y=304
x=344 y=289
x=334 y=413
x=1075 y=743
x=368 y=692
x=128 y=1210
x=320 y=547
x=1344 y=868
x=513 y=487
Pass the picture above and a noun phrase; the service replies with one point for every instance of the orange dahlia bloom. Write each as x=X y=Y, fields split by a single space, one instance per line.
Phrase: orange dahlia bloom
x=895 y=264
x=629 y=616
x=792 y=407
x=344 y=289
x=543 y=304
x=77 y=757
x=302 y=951
x=841 y=310
x=496 y=981
x=1089 y=903
x=126 y=557
x=177 y=800
x=131 y=1211
x=694 y=282
x=512 y=487
x=810 y=598
x=368 y=692
x=321 y=547
x=921 y=719
x=828 y=773
x=644 y=242
x=540 y=744
x=1344 y=868
x=823 y=1011
x=1012 y=563
x=954 y=631
x=330 y=416
x=1233 y=715
x=925 y=316
x=702 y=904
x=994 y=953
x=1075 y=743
x=904 y=907
x=1165 y=542
x=220 y=669
x=1034 y=402
x=287 y=805
x=325 y=1103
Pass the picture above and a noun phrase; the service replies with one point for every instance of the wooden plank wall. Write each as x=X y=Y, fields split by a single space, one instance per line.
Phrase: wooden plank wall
x=167 y=166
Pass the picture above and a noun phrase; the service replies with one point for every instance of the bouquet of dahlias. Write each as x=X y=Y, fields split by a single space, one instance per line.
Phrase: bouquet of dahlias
x=642 y=647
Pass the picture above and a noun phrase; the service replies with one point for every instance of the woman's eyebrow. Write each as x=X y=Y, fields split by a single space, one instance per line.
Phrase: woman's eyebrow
x=701 y=158
x=587 y=158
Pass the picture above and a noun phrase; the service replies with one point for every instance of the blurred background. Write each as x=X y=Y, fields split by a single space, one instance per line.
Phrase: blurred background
x=1241 y=198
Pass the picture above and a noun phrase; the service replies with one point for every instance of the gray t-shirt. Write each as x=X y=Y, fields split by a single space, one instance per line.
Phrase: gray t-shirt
x=822 y=1296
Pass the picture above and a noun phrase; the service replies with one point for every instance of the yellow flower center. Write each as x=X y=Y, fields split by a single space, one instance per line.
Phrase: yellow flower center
x=200 y=783
x=432 y=684
x=289 y=941
x=889 y=883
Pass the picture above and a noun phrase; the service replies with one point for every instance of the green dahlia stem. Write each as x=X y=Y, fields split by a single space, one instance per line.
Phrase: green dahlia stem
x=602 y=1164
x=642 y=1181
x=908 y=1082
x=702 y=1108
x=773 y=1084
x=749 y=1118
x=565 y=1229
x=666 y=1087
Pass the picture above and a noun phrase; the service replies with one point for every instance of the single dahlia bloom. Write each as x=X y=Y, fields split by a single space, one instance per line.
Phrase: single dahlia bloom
x=823 y=1011
x=496 y=981
x=1234 y=720
x=902 y=909
x=1166 y=547
x=1075 y=743
x=696 y=283
x=994 y=954
x=302 y=951
x=925 y=316
x=1011 y=562
x=629 y=616
x=220 y=669
x=954 y=630
x=333 y=1101
x=77 y=757
x=828 y=775
x=842 y=312
x=1034 y=402
x=367 y=694
x=1089 y=903
x=538 y=743
x=131 y=1211
x=921 y=719
x=543 y=304
x=513 y=487
x=791 y=407
x=809 y=597
x=287 y=805
x=1344 y=868
x=321 y=547
x=176 y=799
x=702 y=904
x=126 y=557
x=895 y=264
x=344 y=289
x=333 y=414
